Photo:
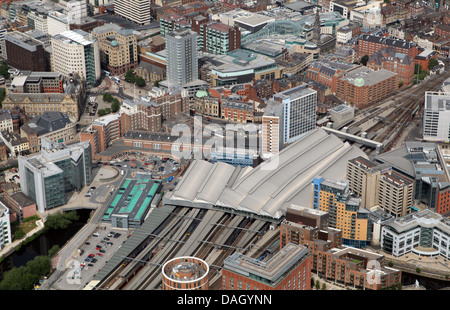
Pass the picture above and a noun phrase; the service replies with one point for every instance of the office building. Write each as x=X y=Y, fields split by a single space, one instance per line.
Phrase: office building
x=425 y=164
x=436 y=117
x=241 y=66
x=185 y=273
x=345 y=210
x=299 y=111
x=118 y=48
x=55 y=126
x=5 y=226
x=76 y=52
x=58 y=169
x=137 y=11
x=288 y=269
x=423 y=233
x=37 y=82
x=25 y=52
x=102 y=132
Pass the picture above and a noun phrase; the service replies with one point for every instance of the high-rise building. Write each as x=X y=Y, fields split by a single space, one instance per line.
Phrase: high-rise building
x=436 y=117
x=299 y=111
x=58 y=169
x=182 y=58
x=76 y=51
x=345 y=210
x=137 y=11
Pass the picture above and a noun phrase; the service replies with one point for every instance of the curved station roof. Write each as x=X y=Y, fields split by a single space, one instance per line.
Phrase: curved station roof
x=268 y=189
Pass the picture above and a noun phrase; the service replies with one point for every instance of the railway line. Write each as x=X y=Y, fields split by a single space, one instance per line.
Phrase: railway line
x=394 y=114
x=210 y=235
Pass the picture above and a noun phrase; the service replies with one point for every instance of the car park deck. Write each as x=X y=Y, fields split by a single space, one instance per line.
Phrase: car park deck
x=132 y=201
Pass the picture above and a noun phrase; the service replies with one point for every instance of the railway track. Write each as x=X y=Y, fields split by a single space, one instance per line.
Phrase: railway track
x=403 y=107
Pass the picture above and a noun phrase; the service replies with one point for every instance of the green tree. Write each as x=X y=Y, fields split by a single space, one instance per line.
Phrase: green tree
x=19 y=234
x=433 y=62
x=130 y=77
x=107 y=97
x=60 y=220
x=4 y=70
x=115 y=106
x=418 y=270
x=140 y=81
x=317 y=285
x=53 y=250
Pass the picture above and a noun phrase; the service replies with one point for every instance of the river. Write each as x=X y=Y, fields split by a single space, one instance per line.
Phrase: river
x=42 y=244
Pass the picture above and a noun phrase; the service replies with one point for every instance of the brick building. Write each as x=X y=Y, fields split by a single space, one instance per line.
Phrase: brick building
x=364 y=86
x=24 y=52
x=369 y=44
x=390 y=60
x=288 y=269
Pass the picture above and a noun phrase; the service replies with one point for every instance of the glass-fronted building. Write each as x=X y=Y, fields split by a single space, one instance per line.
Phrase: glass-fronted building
x=58 y=169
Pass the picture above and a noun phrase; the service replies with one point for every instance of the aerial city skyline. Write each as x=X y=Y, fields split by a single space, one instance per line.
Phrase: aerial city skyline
x=225 y=146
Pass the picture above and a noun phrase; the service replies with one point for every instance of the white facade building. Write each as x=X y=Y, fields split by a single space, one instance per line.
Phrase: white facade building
x=436 y=117
x=138 y=11
x=76 y=52
x=57 y=23
x=5 y=226
x=300 y=106
x=423 y=233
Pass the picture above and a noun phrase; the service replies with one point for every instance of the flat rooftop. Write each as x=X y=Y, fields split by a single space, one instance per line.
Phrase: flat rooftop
x=133 y=199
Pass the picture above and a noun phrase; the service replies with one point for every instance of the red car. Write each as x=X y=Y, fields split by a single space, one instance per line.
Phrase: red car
x=91 y=255
x=99 y=254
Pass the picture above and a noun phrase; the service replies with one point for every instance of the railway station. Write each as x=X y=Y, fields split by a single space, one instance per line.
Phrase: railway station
x=217 y=209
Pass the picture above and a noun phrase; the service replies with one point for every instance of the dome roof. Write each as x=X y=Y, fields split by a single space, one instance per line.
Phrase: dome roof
x=114 y=43
x=201 y=93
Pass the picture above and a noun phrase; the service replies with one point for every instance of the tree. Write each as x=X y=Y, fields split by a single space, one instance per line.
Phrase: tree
x=53 y=250
x=115 y=106
x=60 y=220
x=324 y=286
x=364 y=60
x=317 y=285
x=107 y=97
x=4 y=70
x=130 y=77
x=140 y=81
x=433 y=62
x=19 y=234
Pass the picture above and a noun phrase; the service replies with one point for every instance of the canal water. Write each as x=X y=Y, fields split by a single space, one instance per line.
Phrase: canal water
x=427 y=283
x=42 y=244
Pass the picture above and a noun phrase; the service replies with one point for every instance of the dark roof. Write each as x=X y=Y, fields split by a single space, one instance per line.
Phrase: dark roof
x=48 y=122
x=388 y=41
